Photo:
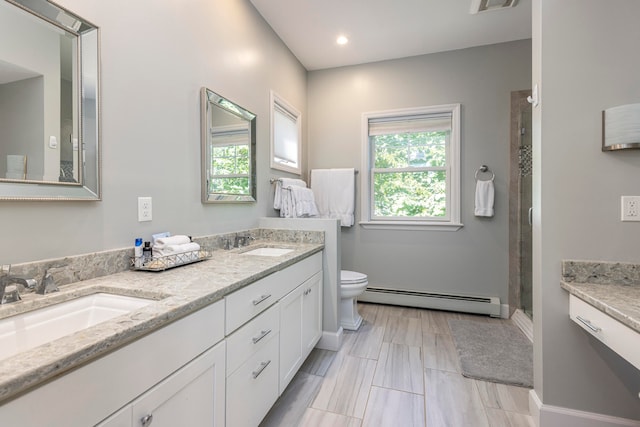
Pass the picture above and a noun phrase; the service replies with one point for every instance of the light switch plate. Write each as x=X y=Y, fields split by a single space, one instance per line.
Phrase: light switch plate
x=144 y=209
x=630 y=208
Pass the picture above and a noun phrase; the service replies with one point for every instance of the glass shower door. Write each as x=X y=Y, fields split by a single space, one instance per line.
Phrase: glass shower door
x=525 y=205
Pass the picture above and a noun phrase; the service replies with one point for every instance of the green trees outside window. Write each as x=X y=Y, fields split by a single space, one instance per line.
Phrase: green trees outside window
x=229 y=169
x=410 y=174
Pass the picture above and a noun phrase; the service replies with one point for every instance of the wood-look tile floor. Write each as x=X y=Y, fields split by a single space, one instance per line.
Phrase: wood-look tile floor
x=399 y=369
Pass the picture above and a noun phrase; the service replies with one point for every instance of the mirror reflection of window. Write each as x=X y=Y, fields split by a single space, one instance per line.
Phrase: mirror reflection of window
x=285 y=135
x=230 y=160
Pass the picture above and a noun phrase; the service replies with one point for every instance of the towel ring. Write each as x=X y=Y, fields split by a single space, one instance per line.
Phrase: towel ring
x=485 y=168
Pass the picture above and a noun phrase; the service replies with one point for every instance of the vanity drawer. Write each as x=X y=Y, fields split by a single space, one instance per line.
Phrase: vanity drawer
x=245 y=303
x=614 y=334
x=252 y=337
x=253 y=388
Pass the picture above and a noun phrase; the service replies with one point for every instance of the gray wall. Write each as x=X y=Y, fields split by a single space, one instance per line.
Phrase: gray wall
x=155 y=59
x=21 y=124
x=585 y=62
x=473 y=260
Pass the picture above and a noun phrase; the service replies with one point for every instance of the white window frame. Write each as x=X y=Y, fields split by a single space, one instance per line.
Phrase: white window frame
x=279 y=103
x=452 y=220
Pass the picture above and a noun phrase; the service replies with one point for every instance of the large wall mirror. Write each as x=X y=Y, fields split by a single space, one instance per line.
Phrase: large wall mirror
x=49 y=104
x=228 y=150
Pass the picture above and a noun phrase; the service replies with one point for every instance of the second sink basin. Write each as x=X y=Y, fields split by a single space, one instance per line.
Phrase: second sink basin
x=268 y=251
x=33 y=328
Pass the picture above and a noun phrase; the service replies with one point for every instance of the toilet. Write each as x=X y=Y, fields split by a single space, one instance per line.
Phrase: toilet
x=352 y=285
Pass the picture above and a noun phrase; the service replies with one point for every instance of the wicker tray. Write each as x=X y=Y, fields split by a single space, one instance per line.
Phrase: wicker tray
x=166 y=262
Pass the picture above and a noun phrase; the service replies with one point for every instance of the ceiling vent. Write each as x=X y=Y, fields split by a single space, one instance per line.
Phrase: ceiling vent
x=478 y=6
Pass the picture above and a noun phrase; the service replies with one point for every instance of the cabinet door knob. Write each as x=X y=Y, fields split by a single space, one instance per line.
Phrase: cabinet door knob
x=146 y=420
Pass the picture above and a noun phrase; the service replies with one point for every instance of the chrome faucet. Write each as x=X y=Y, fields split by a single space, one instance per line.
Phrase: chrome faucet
x=6 y=279
x=242 y=240
x=47 y=284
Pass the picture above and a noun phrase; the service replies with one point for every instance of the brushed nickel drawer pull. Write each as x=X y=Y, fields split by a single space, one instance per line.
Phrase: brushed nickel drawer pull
x=262 y=335
x=262 y=298
x=262 y=367
x=588 y=324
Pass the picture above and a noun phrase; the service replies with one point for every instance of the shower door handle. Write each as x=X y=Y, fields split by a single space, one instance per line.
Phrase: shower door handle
x=531 y=216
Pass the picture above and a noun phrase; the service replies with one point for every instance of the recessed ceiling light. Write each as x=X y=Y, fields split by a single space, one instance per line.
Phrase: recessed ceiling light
x=342 y=40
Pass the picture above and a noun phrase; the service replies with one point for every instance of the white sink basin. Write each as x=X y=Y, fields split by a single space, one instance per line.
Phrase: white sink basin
x=33 y=328
x=268 y=251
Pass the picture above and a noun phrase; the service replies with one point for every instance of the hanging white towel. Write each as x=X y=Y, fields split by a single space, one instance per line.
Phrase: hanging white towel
x=283 y=183
x=484 y=198
x=304 y=204
x=334 y=191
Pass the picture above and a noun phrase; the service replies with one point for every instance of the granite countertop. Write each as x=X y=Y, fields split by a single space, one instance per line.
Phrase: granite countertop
x=178 y=292
x=613 y=288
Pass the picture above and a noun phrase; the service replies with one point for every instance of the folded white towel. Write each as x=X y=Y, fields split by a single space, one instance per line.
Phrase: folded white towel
x=484 y=198
x=284 y=183
x=176 y=249
x=163 y=242
x=304 y=204
x=334 y=191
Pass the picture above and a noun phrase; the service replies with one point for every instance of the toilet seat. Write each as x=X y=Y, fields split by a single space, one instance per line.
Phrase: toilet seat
x=352 y=277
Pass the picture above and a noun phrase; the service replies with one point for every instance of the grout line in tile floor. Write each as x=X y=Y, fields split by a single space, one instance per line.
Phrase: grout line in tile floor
x=353 y=387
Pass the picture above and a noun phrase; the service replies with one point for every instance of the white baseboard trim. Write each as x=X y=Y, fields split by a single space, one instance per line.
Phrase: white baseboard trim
x=331 y=340
x=504 y=311
x=556 y=416
x=534 y=406
x=523 y=322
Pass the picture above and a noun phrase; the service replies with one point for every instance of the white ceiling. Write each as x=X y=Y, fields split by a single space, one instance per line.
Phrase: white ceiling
x=387 y=29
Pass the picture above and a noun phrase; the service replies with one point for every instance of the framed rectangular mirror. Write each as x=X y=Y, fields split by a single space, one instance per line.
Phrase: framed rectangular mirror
x=49 y=103
x=228 y=139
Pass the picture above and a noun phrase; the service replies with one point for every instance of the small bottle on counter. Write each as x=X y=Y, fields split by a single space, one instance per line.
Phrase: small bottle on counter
x=147 y=253
x=137 y=252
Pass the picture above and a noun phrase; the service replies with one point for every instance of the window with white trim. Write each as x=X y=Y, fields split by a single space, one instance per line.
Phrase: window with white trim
x=412 y=168
x=285 y=135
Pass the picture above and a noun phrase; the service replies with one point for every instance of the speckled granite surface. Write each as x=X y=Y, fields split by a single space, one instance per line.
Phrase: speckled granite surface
x=178 y=292
x=613 y=288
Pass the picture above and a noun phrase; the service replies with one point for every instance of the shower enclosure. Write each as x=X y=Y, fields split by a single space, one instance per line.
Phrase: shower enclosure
x=520 y=206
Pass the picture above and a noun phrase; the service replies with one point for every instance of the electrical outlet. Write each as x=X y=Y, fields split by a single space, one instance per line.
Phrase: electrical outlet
x=144 y=209
x=630 y=208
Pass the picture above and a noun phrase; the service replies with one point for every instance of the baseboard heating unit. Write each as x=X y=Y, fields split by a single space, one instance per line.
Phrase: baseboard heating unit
x=437 y=301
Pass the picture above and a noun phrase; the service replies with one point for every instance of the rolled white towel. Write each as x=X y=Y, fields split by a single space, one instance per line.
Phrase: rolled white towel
x=176 y=249
x=163 y=242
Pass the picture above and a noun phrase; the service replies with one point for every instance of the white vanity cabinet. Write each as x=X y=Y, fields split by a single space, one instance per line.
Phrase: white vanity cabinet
x=268 y=322
x=300 y=326
x=158 y=375
x=252 y=369
x=194 y=395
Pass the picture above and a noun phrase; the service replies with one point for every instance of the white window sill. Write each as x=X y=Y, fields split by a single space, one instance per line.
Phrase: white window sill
x=411 y=225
